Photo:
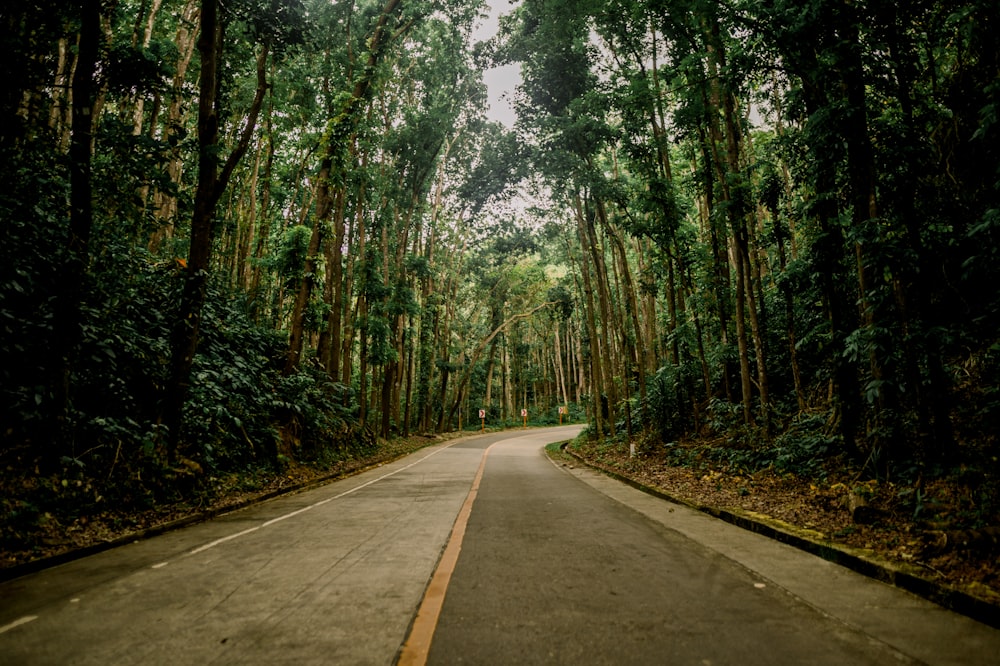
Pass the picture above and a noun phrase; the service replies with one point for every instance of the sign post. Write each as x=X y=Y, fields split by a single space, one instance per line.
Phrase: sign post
x=562 y=410
x=524 y=415
x=482 y=418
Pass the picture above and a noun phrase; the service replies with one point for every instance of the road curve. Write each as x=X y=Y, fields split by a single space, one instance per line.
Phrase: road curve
x=509 y=558
x=328 y=576
x=562 y=565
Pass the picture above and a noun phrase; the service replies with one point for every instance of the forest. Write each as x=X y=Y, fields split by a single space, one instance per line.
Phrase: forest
x=239 y=236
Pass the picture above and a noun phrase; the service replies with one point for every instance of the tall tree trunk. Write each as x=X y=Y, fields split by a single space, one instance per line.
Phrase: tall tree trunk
x=589 y=315
x=185 y=337
x=630 y=301
x=560 y=374
x=718 y=243
x=296 y=333
x=507 y=406
x=244 y=251
x=212 y=182
x=336 y=270
x=61 y=112
x=328 y=347
x=144 y=41
x=165 y=201
x=741 y=334
x=265 y=201
x=340 y=128
x=357 y=249
x=67 y=311
x=648 y=302
x=604 y=302
x=738 y=208
x=581 y=375
x=410 y=368
x=488 y=400
x=789 y=302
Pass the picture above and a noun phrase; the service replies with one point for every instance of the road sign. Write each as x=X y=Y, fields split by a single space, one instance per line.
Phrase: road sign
x=482 y=413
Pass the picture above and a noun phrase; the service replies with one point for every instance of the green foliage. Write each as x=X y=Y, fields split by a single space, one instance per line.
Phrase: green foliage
x=238 y=408
x=563 y=300
x=291 y=255
x=866 y=199
x=228 y=418
x=499 y=162
x=136 y=71
x=668 y=404
x=30 y=40
x=316 y=414
x=806 y=446
x=32 y=242
x=280 y=23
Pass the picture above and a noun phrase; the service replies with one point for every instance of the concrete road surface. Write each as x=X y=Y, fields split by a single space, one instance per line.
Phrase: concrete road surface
x=475 y=551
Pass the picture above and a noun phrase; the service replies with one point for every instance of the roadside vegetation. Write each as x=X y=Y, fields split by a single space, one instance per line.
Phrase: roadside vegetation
x=750 y=242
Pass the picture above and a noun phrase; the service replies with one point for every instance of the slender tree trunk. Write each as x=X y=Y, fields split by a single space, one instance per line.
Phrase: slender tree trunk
x=328 y=347
x=147 y=36
x=788 y=298
x=508 y=385
x=560 y=374
x=589 y=314
x=211 y=183
x=340 y=128
x=720 y=264
x=185 y=337
x=336 y=272
x=265 y=201
x=410 y=368
x=607 y=321
x=67 y=307
x=352 y=278
x=244 y=255
x=631 y=304
x=489 y=374
x=61 y=112
x=165 y=201
x=723 y=98
x=582 y=387
x=303 y=294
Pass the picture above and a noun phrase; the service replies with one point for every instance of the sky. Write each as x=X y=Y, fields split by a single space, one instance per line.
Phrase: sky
x=500 y=81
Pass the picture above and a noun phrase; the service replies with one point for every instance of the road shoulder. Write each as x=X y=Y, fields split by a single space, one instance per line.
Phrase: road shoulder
x=885 y=612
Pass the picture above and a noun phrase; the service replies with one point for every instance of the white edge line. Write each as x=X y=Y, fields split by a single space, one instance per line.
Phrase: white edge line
x=17 y=623
x=287 y=515
x=213 y=544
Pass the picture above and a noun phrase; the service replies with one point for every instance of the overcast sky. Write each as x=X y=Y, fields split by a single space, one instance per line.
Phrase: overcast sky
x=501 y=80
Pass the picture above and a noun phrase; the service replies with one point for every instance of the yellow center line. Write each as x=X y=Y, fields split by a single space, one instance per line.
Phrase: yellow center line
x=418 y=644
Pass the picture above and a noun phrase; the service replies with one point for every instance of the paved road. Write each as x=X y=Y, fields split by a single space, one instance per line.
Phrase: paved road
x=556 y=565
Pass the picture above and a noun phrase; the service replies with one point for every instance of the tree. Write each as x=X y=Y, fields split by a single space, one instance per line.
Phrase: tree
x=212 y=182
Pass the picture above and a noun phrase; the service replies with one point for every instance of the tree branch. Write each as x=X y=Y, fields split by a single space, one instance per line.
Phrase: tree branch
x=482 y=345
x=248 y=129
